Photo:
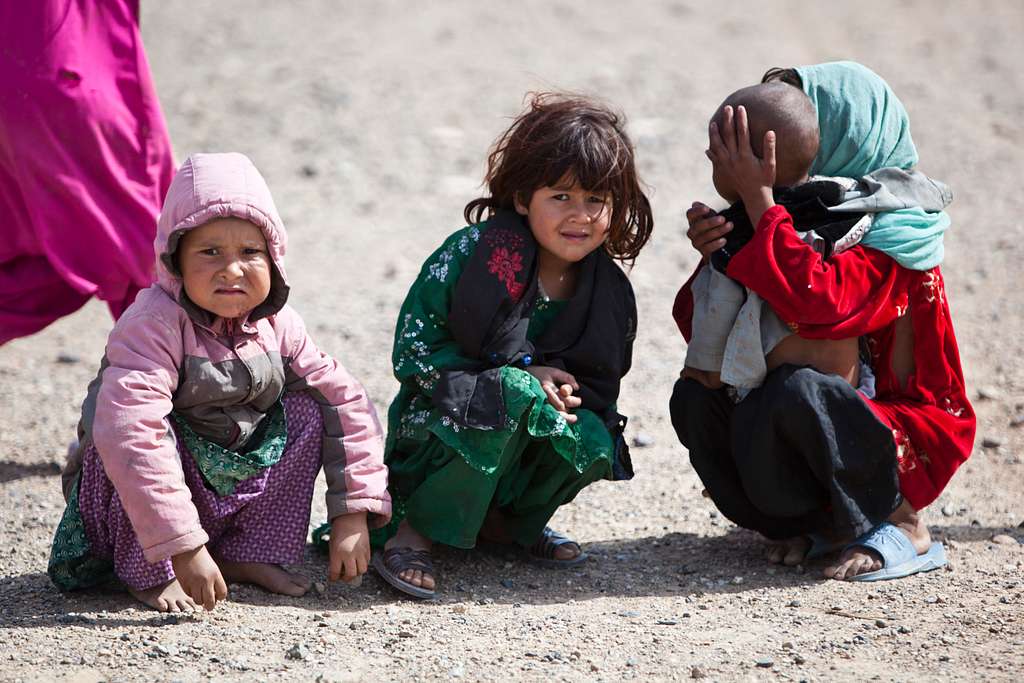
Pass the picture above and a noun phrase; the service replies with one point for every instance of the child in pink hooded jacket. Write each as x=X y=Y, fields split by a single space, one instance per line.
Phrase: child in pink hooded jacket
x=211 y=415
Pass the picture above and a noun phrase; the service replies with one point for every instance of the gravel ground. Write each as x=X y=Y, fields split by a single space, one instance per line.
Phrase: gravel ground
x=371 y=122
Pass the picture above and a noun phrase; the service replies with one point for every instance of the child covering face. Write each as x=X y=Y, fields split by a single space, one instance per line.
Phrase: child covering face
x=511 y=344
x=212 y=413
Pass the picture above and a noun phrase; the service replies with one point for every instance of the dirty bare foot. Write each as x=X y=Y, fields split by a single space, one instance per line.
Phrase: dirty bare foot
x=790 y=552
x=272 y=577
x=167 y=597
x=859 y=560
x=407 y=537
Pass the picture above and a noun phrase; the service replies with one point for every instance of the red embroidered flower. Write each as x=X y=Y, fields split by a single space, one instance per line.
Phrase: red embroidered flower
x=505 y=264
x=906 y=455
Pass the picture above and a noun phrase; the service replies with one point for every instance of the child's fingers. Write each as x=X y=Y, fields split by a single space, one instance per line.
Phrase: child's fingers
x=351 y=569
x=569 y=417
x=716 y=146
x=220 y=588
x=742 y=132
x=362 y=563
x=769 y=152
x=553 y=398
x=573 y=401
x=728 y=131
x=334 y=570
x=209 y=598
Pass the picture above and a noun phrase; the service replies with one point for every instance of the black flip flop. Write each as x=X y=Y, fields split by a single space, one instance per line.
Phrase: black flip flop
x=543 y=550
x=393 y=561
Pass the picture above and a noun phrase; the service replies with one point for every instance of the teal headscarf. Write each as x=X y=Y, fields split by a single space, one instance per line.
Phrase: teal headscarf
x=864 y=127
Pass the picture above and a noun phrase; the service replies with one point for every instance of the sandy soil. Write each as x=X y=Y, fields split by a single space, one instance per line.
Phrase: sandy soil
x=371 y=122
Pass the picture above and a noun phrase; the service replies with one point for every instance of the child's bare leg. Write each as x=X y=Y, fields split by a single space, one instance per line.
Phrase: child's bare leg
x=494 y=526
x=167 y=597
x=408 y=537
x=789 y=552
x=271 y=577
x=860 y=560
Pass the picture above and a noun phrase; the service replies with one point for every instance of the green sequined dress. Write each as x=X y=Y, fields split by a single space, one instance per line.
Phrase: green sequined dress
x=444 y=477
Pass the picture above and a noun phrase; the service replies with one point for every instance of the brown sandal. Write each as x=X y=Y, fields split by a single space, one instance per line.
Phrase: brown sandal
x=543 y=550
x=394 y=561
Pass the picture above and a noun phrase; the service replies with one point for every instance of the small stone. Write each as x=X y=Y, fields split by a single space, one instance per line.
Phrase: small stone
x=667 y=622
x=320 y=588
x=533 y=585
x=949 y=511
x=308 y=171
x=880 y=623
x=943 y=658
x=698 y=672
x=788 y=645
x=67 y=358
x=594 y=668
x=357 y=624
x=1017 y=420
x=1004 y=539
x=485 y=601
x=799 y=659
x=793 y=603
x=508 y=583
x=990 y=442
x=457 y=671
x=297 y=651
x=631 y=662
x=643 y=440
x=736 y=580
x=989 y=394
x=406 y=634
x=459 y=609
x=765 y=663
x=629 y=614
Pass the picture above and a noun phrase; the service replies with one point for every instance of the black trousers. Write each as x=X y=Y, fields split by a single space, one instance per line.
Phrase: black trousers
x=801 y=454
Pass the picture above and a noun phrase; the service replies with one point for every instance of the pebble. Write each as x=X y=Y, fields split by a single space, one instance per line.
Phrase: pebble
x=667 y=622
x=297 y=651
x=406 y=634
x=989 y=394
x=1017 y=420
x=949 y=511
x=697 y=672
x=903 y=629
x=880 y=623
x=67 y=358
x=990 y=442
x=320 y=588
x=788 y=645
x=357 y=624
x=1004 y=539
x=508 y=583
x=736 y=580
x=643 y=440
x=629 y=614
x=765 y=663
x=457 y=671
x=793 y=603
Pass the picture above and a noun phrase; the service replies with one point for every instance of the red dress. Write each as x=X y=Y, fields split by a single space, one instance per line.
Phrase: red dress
x=862 y=292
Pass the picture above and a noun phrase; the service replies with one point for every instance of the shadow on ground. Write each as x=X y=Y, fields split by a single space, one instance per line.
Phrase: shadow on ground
x=673 y=565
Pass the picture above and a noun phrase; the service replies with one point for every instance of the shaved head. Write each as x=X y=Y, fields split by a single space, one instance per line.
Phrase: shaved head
x=786 y=110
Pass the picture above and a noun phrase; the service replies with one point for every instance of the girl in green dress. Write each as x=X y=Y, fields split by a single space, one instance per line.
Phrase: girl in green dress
x=511 y=344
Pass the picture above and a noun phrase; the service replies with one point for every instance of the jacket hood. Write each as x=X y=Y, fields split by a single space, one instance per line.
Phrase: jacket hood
x=211 y=186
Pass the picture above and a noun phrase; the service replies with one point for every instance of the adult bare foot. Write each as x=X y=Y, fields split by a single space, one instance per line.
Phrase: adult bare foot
x=860 y=560
x=271 y=577
x=407 y=537
x=790 y=552
x=167 y=597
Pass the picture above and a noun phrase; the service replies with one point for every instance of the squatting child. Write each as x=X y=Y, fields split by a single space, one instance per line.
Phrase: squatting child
x=511 y=345
x=212 y=413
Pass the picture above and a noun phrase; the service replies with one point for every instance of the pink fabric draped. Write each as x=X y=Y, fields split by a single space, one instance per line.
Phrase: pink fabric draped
x=85 y=160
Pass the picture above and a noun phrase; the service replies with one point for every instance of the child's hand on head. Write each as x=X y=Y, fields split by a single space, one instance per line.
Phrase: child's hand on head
x=200 y=577
x=559 y=387
x=735 y=162
x=349 y=547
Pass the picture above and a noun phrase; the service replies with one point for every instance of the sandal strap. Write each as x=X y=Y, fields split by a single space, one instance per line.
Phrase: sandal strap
x=549 y=541
x=398 y=560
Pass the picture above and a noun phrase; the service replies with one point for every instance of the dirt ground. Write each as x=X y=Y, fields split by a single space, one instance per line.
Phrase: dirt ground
x=371 y=121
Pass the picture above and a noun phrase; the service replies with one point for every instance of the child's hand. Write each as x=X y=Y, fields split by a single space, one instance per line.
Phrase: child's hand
x=349 y=547
x=734 y=158
x=559 y=386
x=200 y=577
x=707 y=229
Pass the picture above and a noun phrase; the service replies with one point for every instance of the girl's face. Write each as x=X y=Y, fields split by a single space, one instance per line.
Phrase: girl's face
x=567 y=221
x=225 y=266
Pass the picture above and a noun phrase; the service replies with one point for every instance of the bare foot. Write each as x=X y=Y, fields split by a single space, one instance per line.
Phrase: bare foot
x=407 y=537
x=272 y=577
x=168 y=597
x=790 y=552
x=860 y=560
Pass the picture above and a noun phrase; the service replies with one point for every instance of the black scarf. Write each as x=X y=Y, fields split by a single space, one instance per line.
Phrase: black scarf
x=808 y=204
x=490 y=315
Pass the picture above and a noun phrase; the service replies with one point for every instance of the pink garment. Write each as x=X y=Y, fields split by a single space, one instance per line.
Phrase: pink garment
x=165 y=354
x=85 y=159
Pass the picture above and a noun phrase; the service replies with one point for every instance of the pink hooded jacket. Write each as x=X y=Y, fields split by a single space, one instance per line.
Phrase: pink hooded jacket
x=166 y=354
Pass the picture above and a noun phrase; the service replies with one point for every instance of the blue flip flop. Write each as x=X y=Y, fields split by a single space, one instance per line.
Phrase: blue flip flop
x=899 y=559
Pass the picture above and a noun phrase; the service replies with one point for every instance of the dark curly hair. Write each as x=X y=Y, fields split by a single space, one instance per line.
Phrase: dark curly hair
x=569 y=136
